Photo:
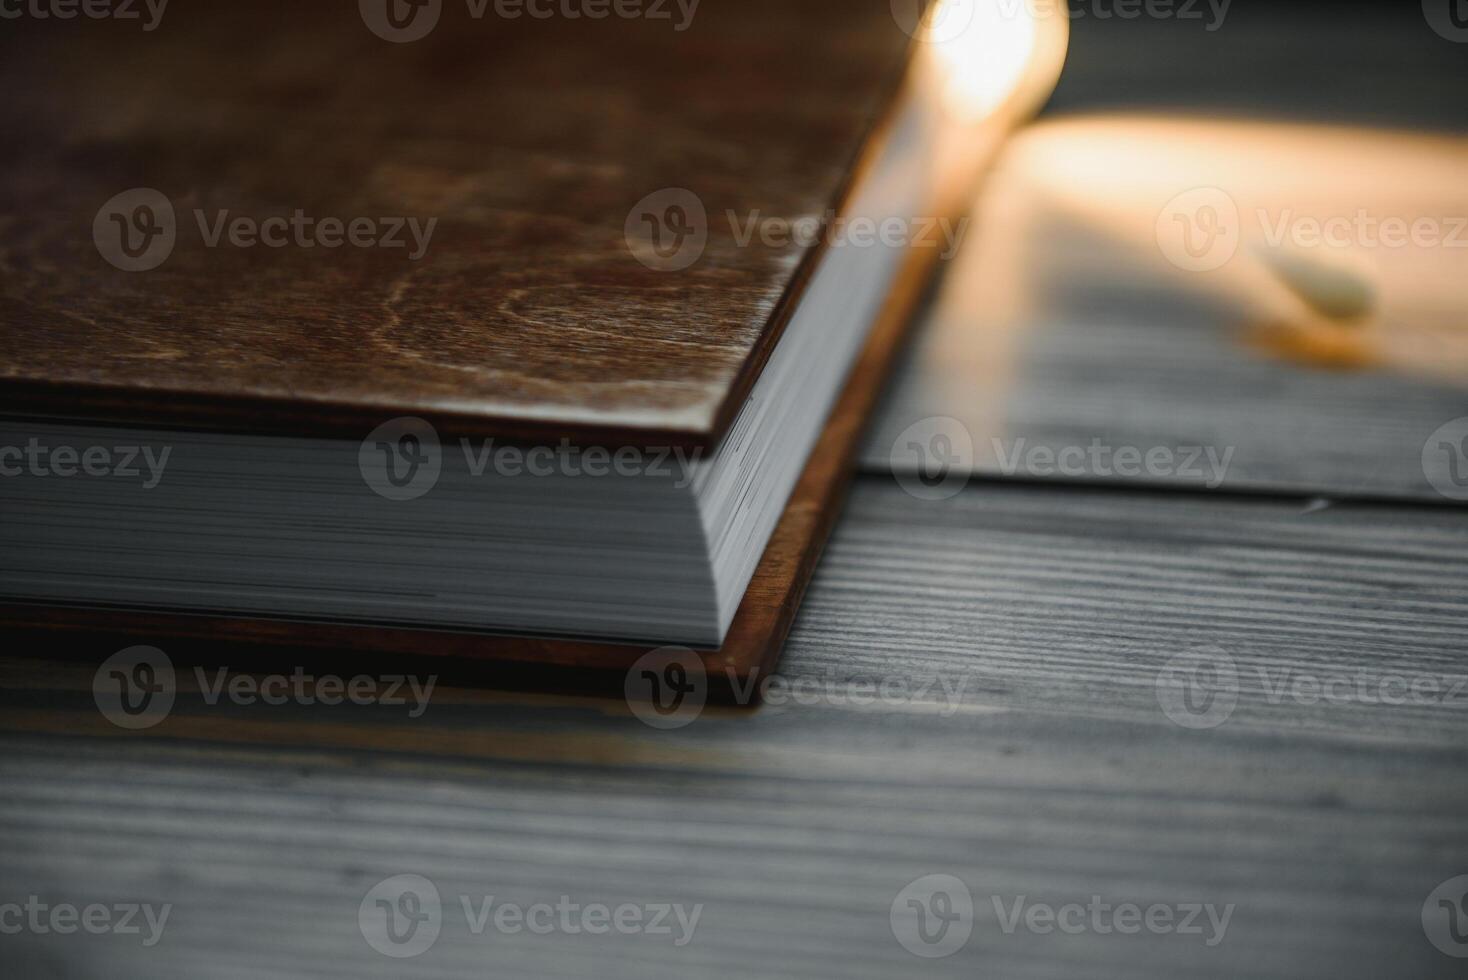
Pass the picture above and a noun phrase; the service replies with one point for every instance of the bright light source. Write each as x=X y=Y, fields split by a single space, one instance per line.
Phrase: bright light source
x=985 y=49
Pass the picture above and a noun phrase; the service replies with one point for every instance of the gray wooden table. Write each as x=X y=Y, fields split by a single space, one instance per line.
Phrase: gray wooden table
x=1138 y=727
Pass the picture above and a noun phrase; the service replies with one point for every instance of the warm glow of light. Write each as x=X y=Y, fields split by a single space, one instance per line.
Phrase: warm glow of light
x=993 y=54
x=1087 y=195
x=981 y=68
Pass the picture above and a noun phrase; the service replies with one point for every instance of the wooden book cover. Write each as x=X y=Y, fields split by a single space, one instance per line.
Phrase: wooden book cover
x=286 y=218
x=528 y=144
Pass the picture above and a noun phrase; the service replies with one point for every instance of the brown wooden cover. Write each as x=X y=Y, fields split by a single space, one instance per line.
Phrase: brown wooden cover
x=530 y=140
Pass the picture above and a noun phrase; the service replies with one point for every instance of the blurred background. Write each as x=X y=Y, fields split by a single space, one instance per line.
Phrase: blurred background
x=1238 y=226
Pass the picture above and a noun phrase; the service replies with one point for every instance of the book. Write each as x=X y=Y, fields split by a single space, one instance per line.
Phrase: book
x=384 y=323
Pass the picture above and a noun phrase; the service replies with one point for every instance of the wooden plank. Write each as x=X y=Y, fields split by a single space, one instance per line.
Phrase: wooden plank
x=1052 y=773
x=1061 y=326
x=1374 y=63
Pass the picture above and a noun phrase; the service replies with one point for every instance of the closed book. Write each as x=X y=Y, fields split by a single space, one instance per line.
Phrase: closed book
x=537 y=332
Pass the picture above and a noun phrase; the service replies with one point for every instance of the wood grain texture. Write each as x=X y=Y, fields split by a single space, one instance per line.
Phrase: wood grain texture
x=1060 y=324
x=1102 y=356
x=529 y=140
x=1054 y=774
